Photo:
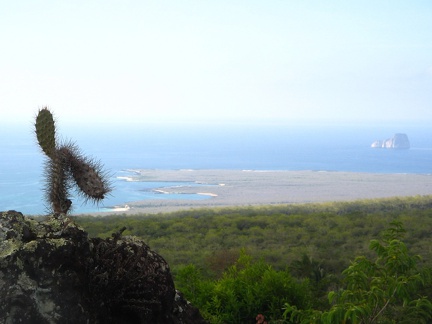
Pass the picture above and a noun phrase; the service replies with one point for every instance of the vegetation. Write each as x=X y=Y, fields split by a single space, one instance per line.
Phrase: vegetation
x=383 y=290
x=295 y=263
x=245 y=289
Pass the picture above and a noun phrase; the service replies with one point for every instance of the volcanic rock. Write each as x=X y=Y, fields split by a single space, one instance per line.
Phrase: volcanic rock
x=52 y=272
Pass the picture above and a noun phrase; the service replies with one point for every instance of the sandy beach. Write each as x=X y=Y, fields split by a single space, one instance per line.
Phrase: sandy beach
x=249 y=187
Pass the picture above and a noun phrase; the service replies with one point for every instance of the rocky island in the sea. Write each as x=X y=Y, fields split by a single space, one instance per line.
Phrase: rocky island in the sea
x=398 y=141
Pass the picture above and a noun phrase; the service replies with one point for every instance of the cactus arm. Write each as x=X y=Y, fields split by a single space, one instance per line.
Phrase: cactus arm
x=45 y=131
x=87 y=174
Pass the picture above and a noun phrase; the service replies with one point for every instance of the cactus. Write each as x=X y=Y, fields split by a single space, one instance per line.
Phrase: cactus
x=66 y=168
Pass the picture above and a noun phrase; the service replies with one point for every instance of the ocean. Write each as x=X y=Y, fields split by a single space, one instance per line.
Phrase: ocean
x=202 y=146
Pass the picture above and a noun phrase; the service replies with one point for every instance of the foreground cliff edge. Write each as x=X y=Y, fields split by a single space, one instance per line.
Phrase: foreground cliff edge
x=52 y=272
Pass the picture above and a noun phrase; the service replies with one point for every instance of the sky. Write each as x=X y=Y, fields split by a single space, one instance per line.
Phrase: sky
x=136 y=61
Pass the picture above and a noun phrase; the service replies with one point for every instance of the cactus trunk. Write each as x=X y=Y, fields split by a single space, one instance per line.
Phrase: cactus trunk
x=58 y=183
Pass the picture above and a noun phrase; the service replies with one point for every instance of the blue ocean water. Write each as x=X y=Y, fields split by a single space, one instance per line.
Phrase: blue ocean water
x=204 y=146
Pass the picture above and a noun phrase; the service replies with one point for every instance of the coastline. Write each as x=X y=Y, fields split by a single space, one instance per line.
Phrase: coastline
x=225 y=188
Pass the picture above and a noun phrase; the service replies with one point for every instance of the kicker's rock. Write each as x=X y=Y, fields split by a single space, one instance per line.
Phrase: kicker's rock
x=52 y=272
x=398 y=141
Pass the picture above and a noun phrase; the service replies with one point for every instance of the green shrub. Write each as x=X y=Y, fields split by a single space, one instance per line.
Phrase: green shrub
x=246 y=289
x=384 y=290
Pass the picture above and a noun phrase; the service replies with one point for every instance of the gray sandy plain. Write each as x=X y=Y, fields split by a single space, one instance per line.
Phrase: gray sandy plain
x=251 y=188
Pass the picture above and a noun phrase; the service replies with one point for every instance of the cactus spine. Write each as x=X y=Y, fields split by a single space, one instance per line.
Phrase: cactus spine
x=66 y=168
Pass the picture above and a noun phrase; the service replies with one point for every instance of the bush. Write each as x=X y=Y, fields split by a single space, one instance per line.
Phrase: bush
x=246 y=289
x=384 y=290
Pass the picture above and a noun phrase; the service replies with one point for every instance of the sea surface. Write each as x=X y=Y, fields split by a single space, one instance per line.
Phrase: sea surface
x=123 y=148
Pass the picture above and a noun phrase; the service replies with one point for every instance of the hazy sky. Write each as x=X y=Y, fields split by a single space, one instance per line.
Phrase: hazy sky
x=221 y=60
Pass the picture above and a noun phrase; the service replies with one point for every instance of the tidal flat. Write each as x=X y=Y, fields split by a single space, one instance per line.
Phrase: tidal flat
x=226 y=188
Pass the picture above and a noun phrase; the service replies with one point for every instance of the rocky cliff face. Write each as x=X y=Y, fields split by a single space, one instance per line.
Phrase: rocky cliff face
x=52 y=272
x=398 y=141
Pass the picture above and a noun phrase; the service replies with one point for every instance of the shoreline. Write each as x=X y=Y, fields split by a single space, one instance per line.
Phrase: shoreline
x=228 y=188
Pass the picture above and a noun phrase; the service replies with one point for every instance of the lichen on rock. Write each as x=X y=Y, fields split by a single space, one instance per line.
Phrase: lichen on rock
x=52 y=272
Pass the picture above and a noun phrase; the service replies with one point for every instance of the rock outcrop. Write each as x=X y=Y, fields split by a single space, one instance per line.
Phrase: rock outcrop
x=52 y=272
x=398 y=141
